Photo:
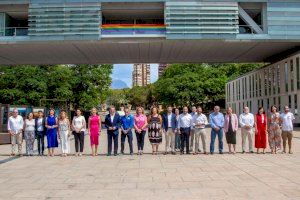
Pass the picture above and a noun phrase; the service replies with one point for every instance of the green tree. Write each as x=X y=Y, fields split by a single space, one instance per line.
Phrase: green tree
x=91 y=84
x=197 y=84
x=22 y=85
x=84 y=86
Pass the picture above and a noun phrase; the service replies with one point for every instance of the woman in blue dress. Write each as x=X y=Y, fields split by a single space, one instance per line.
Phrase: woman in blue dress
x=51 y=125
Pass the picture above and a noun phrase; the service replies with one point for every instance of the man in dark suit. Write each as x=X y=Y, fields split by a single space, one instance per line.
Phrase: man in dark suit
x=40 y=132
x=169 y=126
x=112 y=123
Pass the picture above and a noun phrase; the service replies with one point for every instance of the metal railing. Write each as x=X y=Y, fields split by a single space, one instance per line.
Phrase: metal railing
x=246 y=29
x=14 y=31
x=134 y=29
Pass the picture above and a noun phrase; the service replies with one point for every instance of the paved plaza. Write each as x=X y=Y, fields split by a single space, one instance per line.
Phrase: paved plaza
x=239 y=176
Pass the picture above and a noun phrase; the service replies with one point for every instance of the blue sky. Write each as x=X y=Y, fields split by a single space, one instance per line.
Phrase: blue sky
x=123 y=72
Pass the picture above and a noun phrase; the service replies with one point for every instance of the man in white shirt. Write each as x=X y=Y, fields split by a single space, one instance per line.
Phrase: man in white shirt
x=287 y=119
x=246 y=121
x=199 y=122
x=15 y=127
x=185 y=123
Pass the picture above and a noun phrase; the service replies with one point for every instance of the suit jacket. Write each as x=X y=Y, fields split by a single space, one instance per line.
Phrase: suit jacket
x=234 y=123
x=44 y=125
x=116 y=123
x=166 y=122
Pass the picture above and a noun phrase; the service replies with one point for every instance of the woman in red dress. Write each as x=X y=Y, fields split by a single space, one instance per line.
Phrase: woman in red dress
x=261 y=130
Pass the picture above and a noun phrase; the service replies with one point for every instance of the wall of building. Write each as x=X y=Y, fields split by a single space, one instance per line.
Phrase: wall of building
x=276 y=84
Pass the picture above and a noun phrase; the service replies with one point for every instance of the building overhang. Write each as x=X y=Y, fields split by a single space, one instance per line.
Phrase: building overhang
x=140 y=50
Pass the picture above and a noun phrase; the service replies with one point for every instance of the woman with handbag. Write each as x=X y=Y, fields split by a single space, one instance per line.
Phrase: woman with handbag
x=154 y=129
x=64 y=133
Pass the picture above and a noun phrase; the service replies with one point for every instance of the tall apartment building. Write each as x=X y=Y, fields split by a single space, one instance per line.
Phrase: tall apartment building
x=276 y=84
x=141 y=75
x=161 y=69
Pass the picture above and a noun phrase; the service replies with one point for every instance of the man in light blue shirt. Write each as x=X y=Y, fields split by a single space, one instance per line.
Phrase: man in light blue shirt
x=216 y=120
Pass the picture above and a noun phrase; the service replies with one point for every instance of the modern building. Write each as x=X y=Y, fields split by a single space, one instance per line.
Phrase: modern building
x=141 y=75
x=275 y=84
x=147 y=31
x=161 y=69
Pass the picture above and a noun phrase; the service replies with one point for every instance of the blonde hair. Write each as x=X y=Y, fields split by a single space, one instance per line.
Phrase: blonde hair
x=140 y=107
x=60 y=115
x=93 y=109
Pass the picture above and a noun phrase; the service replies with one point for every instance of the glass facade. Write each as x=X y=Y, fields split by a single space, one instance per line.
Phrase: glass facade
x=2 y=24
x=64 y=19
x=298 y=72
x=196 y=18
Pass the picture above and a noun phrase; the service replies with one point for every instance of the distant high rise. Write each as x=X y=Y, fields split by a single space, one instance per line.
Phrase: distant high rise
x=141 y=74
x=161 y=69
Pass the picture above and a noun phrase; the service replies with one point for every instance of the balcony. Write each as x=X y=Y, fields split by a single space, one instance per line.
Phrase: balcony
x=14 y=31
x=129 y=19
x=133 y=30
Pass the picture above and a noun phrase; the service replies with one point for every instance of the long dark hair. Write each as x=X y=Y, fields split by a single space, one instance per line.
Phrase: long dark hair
x=260 y=109
x=53 y=111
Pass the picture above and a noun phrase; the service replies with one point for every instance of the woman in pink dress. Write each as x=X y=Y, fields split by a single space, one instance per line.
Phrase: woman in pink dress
x=94 y=130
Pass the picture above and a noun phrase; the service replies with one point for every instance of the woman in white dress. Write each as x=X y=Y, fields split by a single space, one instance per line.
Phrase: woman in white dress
x=64 y=133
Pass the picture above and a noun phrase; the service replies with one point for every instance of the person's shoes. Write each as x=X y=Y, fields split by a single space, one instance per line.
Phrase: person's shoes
x=115 y=154
x=290 y=152
x=221 y=152
x=181 y=153
x=243 y=152
x=80 y=154
x=131 y=154
x=165 y=153
x=211 y=153
x=173 y=153
x=122 y=153
x=188 y=153
x=284 y=152
x=251 y=151
x=108 y=154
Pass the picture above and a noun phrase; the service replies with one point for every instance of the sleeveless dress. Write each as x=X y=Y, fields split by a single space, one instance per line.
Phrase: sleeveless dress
x=261 y=136
x=51 y=133
x=154 y=130
x=64 y=136
x=94 y=130
x=275 y=133
x=230 y=135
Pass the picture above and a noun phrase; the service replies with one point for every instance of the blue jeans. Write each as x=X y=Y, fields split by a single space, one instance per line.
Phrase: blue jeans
x=213 y=138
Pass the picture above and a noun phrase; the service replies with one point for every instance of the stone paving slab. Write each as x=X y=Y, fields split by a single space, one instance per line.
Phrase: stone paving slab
x=239 y=176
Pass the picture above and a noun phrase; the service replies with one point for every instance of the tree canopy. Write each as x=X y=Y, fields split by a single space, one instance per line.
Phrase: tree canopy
x=83 y=86
x=197 y=84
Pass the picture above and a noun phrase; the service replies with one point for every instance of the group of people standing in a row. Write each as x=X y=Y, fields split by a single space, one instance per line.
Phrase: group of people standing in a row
x=182 y=131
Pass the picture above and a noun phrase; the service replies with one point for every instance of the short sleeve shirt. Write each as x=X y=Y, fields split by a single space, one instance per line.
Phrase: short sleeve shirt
x=287 y=121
